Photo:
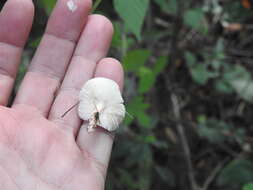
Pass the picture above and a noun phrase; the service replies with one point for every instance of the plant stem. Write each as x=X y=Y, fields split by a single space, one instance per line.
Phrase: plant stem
x=96 y=4
x=185 y=146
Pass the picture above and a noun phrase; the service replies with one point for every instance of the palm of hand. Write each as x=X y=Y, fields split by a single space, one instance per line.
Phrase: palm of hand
x=39 y=149
x=47 y=155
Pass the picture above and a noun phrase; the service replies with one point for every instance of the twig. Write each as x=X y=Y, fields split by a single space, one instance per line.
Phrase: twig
x=187 y=153
x=63 y=115
x=162 y=23
x=185 y=146
x=213 y=174
x=95 y=6
x=177 y=27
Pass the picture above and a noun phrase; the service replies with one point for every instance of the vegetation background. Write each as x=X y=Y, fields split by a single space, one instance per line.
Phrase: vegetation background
x=189 y=91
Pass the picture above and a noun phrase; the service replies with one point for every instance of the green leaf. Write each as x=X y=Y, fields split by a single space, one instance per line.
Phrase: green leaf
x=96 y=5
x=138 y=153
x=137 y=107
x=144 y=119
x=148 y=76
x=133 y=13
x=201 y=119
x=212 y=134
x=190 y=58
x=219 y=50
x=195 y=19
x=160 y=64
x=166 y=175
x=200 y=74
x=240 y=80
x=151 y=139
x=248 y=186
x=147 y=79
x=48 y=5
x=135 y=59
x=235 y=72
x=116 y=39
x=199 y=71
x=212 y=129
x=244 y=88
x=126 y=178
x=223 y=87
x=236 y=173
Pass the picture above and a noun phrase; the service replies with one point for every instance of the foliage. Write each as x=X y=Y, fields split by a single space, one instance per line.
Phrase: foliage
x=236 y=173
x=248 y=186
x=133 y=13
x=188 y=49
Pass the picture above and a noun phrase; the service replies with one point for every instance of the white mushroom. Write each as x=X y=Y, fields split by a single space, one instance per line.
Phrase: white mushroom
x=101 y=103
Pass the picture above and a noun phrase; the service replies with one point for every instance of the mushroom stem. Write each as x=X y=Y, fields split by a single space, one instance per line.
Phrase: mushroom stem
x=92 y=122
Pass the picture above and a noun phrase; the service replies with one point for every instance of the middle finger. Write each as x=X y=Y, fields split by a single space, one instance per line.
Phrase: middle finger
x=92 y=46
x=52 y=57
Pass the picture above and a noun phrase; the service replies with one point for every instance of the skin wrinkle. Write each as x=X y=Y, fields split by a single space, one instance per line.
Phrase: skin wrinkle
x=66 y=177
x=6 y=73
x=39 y=109
x=64 y=125
x=50 y=76
x=73 y=41
x=77 y=55
x=43 y=179
x=2 y=127
x=30 y=168
x=46 y=74
x=82 y=60
x=7 y=57
x=5 y=173
x=11 y=144
x=14 y=46
x=19 y=152
x=69 y=178
x=17 y=104
x=43 y=70
x=98 y=165
x=73 y=89
x=26 y=162
x=51 y=70
x=9 y=176
x=8 y=146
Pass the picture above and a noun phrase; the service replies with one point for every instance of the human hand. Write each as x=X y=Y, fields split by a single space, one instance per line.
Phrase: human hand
x=38 y=148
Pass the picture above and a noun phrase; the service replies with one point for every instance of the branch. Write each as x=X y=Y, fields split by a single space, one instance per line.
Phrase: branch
x=177 y=27
x=213 y=174
x=185 y=146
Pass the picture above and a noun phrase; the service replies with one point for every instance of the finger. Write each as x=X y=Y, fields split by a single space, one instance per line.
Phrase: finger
x=98 y=144
x=53 y=55
x=15 y=24
x=93 y=45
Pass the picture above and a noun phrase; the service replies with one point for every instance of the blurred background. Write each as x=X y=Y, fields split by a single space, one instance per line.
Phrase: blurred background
x=188 y=91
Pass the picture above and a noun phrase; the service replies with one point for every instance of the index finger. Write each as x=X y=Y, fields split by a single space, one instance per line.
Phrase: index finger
x=15 y=24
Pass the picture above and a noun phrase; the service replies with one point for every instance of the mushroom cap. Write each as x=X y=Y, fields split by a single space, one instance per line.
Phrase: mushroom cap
x=102 y=95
